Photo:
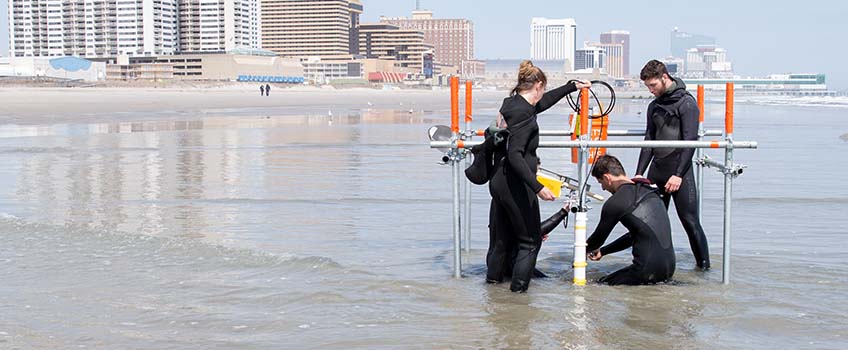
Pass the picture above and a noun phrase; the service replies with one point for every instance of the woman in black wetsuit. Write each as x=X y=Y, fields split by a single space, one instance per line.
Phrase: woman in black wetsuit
x=502 y=251
x=515 y=207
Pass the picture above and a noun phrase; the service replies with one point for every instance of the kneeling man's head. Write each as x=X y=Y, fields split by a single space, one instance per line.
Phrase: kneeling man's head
x=608 y=169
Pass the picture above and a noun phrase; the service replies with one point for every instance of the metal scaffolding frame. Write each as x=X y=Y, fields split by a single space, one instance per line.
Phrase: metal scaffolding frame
x=460 y=141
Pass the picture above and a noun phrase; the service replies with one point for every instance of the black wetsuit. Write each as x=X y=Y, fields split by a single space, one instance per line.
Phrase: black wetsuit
x=674 y=116
x=639 y=208
x=502 y=249
x=514 y=186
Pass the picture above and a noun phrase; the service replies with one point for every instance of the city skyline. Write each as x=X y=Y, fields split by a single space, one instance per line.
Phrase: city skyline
x=764 y=38
x=761 y=38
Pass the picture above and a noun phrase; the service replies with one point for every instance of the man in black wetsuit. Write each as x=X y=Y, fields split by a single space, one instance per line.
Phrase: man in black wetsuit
x=639 y=208
x=673 y=115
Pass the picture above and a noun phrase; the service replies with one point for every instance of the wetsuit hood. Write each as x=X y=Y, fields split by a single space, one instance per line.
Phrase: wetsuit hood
x=664 y=113
x=677 y=93
x=515 y=110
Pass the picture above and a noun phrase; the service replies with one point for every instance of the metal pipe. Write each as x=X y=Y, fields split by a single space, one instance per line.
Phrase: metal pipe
x=467 y=221
x=616 y=144
x=699 y=153
x=457 y=264
x=468 y=118
x=734 y=170
x=728 y=183
x=455 y=146
x=728 y=197
x=627 y=132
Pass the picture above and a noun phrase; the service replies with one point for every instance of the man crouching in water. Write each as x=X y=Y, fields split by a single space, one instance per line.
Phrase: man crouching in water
x=638 y=206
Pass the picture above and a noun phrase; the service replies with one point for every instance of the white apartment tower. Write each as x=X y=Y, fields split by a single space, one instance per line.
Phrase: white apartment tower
x=107 y=28
x=553 y=40
x=219 y=25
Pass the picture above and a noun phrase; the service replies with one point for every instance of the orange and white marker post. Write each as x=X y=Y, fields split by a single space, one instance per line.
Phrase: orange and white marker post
x=581 y=218
x=456 y=146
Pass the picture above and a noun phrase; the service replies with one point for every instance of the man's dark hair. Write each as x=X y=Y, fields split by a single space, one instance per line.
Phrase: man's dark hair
x=653 y=70
x=607 y=164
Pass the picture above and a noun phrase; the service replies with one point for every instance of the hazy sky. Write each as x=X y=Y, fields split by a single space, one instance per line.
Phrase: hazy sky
x=761 y=37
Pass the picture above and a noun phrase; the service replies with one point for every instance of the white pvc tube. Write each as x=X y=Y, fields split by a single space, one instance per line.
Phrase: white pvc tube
x=580 y=248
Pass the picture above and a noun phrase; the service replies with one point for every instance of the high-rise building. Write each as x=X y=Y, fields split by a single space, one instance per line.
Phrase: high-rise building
x=386 y=41
x=681 y=42
x=623 y=38
x=590 y=57
x=553 y=40
x=216 y=26
x=674 y=65
x=304 y=28
x=452 y=39
x=108 y=28
x=614 y=59
x=708 y=61
x=95 y=28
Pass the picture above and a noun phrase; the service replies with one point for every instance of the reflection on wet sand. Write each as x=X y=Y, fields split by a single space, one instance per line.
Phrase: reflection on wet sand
x=159 y=177
x=368 y=116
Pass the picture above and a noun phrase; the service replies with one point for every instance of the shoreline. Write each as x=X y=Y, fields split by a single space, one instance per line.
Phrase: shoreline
x=56 y=105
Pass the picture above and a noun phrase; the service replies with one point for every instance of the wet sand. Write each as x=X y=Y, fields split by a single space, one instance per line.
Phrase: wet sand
x=63 y=105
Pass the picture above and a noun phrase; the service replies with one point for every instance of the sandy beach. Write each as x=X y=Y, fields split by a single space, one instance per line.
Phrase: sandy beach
x=44 y=105
x=57 y=105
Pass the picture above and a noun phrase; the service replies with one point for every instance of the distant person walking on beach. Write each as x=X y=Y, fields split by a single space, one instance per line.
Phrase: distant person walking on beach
x=267 y=90
x=673 y=115
x=261 y=90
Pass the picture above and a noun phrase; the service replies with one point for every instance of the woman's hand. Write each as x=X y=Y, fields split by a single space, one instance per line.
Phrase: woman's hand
x=546 y=194
x=580 y=84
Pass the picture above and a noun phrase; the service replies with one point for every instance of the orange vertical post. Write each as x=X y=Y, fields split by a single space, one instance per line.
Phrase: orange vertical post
x=454 y=86
x=572 y=121
x=728 y=110
x=584 y=111
x=599 y=132
x=468 y=89
x=701 y=103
